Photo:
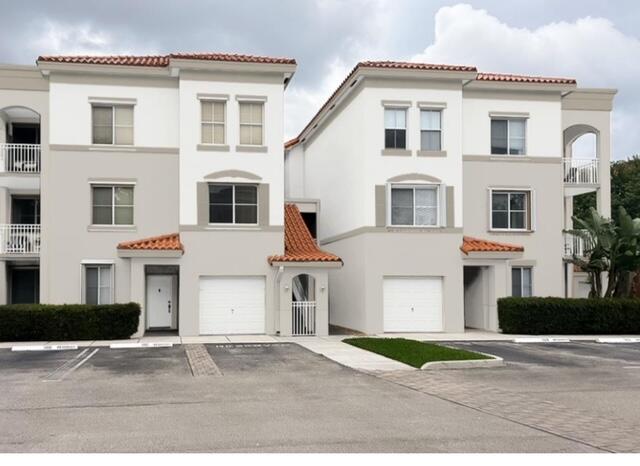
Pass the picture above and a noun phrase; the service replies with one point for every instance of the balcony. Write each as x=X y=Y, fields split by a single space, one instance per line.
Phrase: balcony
x=580 y=171
x=573 y=246
x=20 y=239
x=20 y=158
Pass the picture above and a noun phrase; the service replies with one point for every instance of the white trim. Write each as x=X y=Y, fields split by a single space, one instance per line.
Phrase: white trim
x=113 y=182
x=97 y=261
x=213 y=97
x=432 y=105
x=251 y=98
x=509 y=115
x=113 y=101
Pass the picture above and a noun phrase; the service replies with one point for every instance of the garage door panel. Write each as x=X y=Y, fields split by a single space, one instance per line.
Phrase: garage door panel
x=232 y=305
x=412 y=304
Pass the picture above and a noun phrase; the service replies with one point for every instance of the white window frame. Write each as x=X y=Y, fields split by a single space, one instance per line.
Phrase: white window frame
x=435 y=186
x=99 y=264
x=529 y=216
x=509 y=120
x=262 y=103
x=441 y=111
x=233 y=205
x=521 y=267
x=213 y=123
x=396 y=108
x=113 y=204
x=113 y=124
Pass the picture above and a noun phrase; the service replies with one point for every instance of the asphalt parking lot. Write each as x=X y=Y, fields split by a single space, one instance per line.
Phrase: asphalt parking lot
x=281 y=397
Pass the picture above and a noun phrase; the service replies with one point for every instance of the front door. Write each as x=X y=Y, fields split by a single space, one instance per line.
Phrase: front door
x=160 y=305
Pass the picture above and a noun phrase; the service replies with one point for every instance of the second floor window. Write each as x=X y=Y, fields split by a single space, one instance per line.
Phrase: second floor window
x=213 y=122
x=251 y=123
x=112 y=124
x=395 y=128
x=508 y=136
x=430 y=130
x=112 y=205
x=414 y=205
x=510 y=210
x=233 y=204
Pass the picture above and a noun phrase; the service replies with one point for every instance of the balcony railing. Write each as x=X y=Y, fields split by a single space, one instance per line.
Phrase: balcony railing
x=580 y=171
x=573 y=245
x=20 y=239
x=20 y=158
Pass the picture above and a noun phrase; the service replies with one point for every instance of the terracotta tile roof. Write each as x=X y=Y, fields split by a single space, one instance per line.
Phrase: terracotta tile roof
x=169 y=242
x=291 y=143
x=299 y=245
x=517 y=78
x=404 y=65
x=470 y=244
x=160 y=61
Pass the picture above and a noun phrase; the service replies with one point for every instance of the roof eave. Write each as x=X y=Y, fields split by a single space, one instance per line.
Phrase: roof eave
x=164 y=253
x=492 y=254
x=519 y=86
x=46 y=67
x=232 y=66
x=317 y=264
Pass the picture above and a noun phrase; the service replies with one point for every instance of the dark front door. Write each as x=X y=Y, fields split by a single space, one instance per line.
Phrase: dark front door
x=25 y=286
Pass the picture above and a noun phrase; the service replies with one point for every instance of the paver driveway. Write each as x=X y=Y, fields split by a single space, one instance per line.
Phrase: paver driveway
x=277 y=397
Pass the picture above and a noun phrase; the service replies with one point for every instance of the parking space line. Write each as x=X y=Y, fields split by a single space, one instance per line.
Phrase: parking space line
x=68 y=367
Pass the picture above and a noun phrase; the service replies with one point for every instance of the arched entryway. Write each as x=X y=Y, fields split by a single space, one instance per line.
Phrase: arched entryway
x=19 y=140
x=581 y=155
x=303 y=305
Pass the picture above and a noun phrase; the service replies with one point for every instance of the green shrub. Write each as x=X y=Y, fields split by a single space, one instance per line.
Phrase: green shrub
x=46 y=322
x=565 y=316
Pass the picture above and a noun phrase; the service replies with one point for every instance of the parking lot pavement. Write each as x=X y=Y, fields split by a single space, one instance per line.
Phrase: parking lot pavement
x=276 y=397
x=585 y=391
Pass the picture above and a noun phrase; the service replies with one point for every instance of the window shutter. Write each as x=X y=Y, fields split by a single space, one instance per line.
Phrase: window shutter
x=263 y=205
x=381 y=205
x=443 y=204
x=532 y=213
x=451 y=218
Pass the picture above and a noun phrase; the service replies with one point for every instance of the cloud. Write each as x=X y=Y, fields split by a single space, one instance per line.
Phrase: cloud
x=589 y=49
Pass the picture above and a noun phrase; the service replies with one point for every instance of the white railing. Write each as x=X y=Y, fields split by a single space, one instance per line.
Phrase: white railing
x=303 y=318
x=20 y=158
x=580 y=171
x=19 y=239
x=573 y=245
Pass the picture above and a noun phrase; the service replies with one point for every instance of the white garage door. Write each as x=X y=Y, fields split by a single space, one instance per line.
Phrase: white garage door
x=412 y=304
x=231 y=305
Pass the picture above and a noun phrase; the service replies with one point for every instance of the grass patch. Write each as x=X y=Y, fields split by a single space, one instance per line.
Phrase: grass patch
x=412 y=352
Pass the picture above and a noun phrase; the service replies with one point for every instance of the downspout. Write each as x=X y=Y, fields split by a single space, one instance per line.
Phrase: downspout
x=276 y=323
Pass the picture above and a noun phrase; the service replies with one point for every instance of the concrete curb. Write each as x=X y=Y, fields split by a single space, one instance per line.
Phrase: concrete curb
x=542 y=340
x=140 y=345
x=495 y=361
x=44 y=347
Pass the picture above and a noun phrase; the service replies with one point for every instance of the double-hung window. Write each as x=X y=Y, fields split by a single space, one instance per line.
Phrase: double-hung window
x=521 y=282
x=508 y=136
x=112 y=124
x=414 y=205
x=251 y=123
x=212 y=121
x=430 y=130
x=112 y=205
x=233 y=204
x=395 y=128
x=98 y=284
x=510 y=210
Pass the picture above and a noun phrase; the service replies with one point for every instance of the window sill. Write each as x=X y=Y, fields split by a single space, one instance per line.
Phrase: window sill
x=432 y=153
x=232 y=226
x=510 y=231
x=396 y=152
x=113 y=147
x=246 y=148
x=112 y=228
x=213 y=147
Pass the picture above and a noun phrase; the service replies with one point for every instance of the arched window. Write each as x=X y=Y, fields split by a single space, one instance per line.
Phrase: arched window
x=303 y=288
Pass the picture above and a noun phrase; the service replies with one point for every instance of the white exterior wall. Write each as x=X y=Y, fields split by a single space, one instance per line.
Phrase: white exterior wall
x=378 y=168
x=195 y=165
x=543 y=127
x=155 y=114
x=294 y=173
x=333 y=170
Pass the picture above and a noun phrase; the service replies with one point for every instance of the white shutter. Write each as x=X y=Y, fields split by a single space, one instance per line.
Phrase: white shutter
x=442 y=195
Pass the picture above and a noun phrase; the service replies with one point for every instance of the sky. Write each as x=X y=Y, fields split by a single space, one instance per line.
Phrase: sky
x=596 y=42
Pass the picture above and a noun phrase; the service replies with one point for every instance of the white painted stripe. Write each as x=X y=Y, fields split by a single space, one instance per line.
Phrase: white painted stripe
x=44 y=347
x=541 y=340
x=141 y=345
x=86 y=358
x=65 y=366
x=618 y=340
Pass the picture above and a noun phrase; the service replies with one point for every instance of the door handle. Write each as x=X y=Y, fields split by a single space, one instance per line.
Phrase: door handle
x=169 y=307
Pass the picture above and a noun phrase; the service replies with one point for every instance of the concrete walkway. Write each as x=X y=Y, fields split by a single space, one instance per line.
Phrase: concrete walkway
x=333 y=348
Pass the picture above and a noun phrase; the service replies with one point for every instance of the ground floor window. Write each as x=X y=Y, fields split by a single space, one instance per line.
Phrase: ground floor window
x=98 y=280
x=521 y=282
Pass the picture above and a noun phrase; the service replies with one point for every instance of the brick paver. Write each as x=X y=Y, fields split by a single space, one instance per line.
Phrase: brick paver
x=607 y=434
x=201 y=362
